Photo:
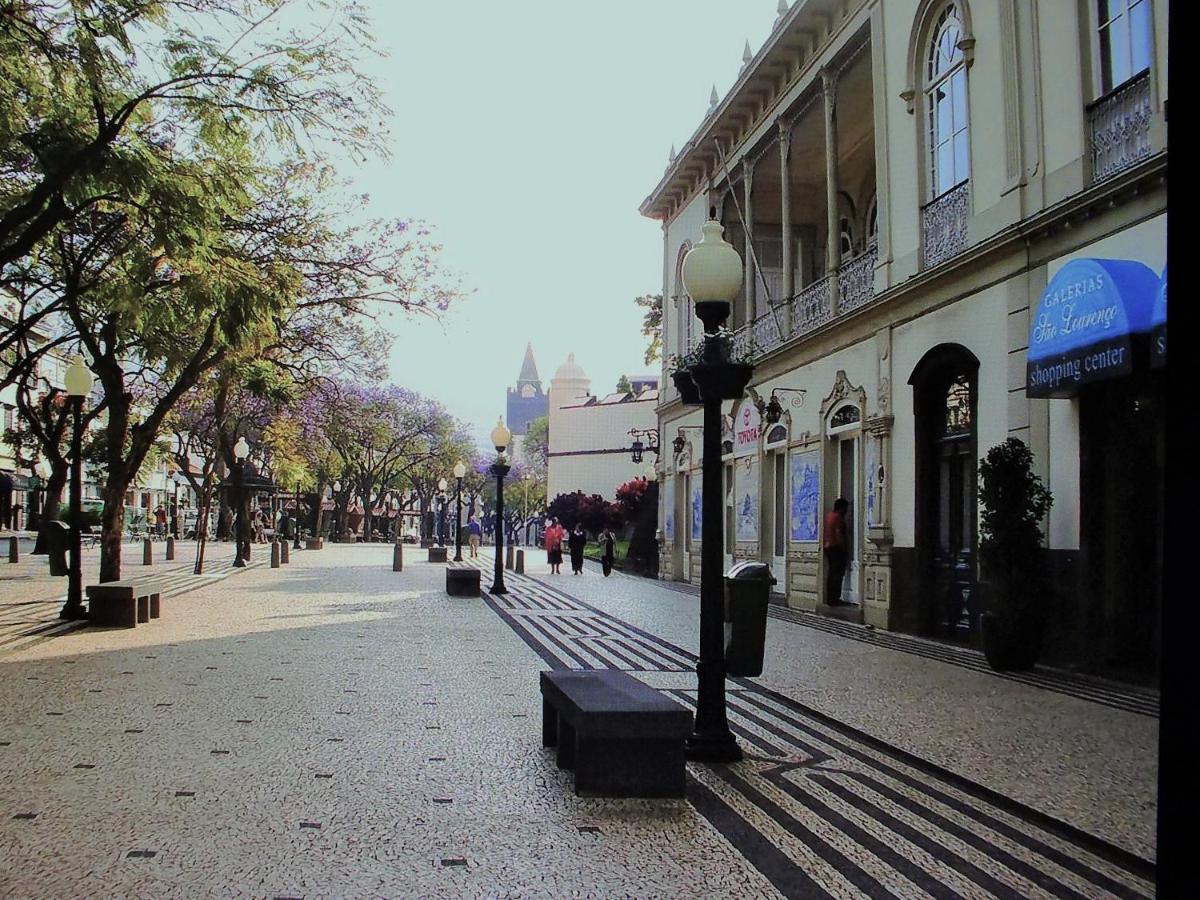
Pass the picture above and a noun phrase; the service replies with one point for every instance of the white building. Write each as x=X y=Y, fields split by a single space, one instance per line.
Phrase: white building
x=589 y=436
x=918 y=197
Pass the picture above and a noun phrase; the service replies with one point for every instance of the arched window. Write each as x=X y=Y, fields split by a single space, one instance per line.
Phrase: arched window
x=685 y=310
x=873 y=221
x=946 y=104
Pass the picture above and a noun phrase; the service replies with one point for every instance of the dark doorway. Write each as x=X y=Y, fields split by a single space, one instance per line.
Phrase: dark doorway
x=945 y=400
x=1121 y=447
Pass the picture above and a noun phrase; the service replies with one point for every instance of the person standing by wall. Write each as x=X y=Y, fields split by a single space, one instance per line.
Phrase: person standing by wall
x=835 y=550
x=608 y=546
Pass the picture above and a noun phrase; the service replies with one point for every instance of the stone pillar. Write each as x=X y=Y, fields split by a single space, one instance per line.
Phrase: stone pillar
x=274 y=554
x=785 y=229
x=748 y=250
x=284 y=553
x=147 y=552
x=14 y=553
x=833 y=252
x=170 y=548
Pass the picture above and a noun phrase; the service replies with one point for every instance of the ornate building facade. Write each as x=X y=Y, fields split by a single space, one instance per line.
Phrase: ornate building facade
x=952 y=217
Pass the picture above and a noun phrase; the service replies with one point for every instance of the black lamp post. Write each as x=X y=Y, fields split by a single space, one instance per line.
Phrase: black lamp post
x=79 y=385
x=240 y=451
x=460 y=472
x=296 y=520
x=441 y=499
x=712 y=276
x=500 y=438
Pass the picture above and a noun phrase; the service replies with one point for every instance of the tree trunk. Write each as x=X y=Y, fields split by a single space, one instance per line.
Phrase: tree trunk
x=320 y=508
x=222 y=517
x=112 y=525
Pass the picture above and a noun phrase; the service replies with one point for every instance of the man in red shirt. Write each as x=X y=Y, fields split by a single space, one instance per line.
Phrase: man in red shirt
x=836 y=551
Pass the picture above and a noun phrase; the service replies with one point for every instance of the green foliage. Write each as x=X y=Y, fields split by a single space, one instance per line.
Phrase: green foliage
x=535 y=449
x=623 y=385
x=1013 y=503
x=651 y=325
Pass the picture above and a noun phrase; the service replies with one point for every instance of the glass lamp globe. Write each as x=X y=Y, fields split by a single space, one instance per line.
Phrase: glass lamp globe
x=241 y=449
x=442 y=484
x=460 y=470
x=712 y=273
x=78 y=380
x=500 y=436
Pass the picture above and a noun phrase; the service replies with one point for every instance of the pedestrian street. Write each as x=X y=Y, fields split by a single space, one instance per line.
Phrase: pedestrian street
x=334 y=728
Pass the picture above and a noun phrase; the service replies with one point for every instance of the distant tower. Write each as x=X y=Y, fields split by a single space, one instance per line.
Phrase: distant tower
x=569 y=386
x=527 y=401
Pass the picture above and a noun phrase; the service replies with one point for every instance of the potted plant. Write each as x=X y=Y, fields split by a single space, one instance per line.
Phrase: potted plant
x=1014 y=580
x=681 y=376
x=721 y=370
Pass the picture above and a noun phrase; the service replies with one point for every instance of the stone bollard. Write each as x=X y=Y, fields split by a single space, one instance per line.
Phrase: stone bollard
x=508 y=557
x=284 y=552
x=147 y=552
x=398 y=557
x=170 y=549
x=14 y=552
x=274 y=554
x=520 y=567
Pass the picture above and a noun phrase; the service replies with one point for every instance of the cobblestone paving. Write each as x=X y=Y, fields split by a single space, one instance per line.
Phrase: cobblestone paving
x=821 y=808
x=330 y=729
x=1092 y=766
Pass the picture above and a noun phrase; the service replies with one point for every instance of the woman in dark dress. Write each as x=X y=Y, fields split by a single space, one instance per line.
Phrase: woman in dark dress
x=576 y=543
x=608 y=544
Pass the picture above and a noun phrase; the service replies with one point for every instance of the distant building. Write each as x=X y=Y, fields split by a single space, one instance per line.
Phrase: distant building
x=589 y=436
x=526 y=402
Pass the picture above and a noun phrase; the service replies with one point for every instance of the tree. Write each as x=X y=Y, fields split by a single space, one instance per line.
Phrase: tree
x=592 y=511
x=623 y=385
x=535 y=449
x=631 y=496
x=651 y=325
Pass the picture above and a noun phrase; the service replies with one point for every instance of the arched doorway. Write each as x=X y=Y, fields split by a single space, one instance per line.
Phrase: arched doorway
x=945 y=400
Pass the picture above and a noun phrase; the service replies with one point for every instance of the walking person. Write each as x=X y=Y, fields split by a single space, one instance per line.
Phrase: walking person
x=576 y=542
x=554 y=539
x=474 y=533
x=836 y=551
x=160 y=521
x=608 y=546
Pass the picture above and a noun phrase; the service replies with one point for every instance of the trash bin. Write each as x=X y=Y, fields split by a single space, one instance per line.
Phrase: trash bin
x=58 y=537
x=747 y=592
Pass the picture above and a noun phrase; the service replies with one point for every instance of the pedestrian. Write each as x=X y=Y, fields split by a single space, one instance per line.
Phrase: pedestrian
x=160 y=521
x=554 y=539
x=474 y=533
x=836 y=551
x=577 y=541
x=256 y=525
x=285 y=524
x=608 y=546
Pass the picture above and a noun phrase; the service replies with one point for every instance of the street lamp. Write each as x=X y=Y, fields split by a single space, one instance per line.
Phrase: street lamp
x=500 y=438
x=41 y=474
x=460 y=472
x=240 y=451
x=712 y=276
x=772 y=410
x=441 y=499
x=639 y=447
x=79 y=385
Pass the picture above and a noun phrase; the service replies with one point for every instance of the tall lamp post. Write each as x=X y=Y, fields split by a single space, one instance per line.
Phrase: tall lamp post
x=441 y=499
x=240 y=451
x=460 y=472
x=41 y=474
x=79 y=385
x=712 y=276
x=500 y=438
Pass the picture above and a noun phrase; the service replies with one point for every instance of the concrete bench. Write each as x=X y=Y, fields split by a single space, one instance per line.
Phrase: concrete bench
x=123 y=603
x=462 y=580
x=622 y=738
x=437 y=554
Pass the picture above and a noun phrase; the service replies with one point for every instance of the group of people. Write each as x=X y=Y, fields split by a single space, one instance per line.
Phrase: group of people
x=576 y=542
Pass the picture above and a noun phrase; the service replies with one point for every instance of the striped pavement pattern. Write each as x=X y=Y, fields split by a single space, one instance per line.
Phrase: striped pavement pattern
x=825 y=810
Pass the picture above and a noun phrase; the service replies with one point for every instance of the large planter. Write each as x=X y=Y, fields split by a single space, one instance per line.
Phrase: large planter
x=688 y=392
x=722 y=381
x=1011 y=642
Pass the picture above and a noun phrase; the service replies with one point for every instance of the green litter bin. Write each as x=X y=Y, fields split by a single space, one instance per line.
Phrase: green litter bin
x=747 y=593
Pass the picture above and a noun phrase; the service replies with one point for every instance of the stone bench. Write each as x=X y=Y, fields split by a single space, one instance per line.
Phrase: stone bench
x=437 y=554
x=622 y=738
x=123 y=603
x=462 y=580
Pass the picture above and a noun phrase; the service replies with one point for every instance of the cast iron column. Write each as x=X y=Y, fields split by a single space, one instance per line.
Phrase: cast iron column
x=458 y=521
x=499 y=469
x=296 y=519
x=73 y=608
x=239 y=560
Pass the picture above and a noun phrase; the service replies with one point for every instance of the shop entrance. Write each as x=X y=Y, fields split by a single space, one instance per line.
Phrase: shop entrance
x=945 y=397
x=1121 y=457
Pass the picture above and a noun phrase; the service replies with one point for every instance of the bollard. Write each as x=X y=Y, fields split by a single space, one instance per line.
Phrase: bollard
x=508 y=558
x=520 y=567
x=284 y=553
x=170 y=548
x=147 y=552
x=274 y=554
x=14 y=553
x=398 y=557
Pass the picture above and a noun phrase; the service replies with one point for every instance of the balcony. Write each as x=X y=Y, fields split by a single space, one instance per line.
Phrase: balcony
x=1119 y=127
x=944 y=224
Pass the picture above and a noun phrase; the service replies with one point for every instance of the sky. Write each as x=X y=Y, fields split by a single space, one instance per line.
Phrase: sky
x=527 y=133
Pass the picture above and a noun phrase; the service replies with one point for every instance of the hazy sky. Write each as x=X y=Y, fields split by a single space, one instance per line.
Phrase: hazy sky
x=528 y=133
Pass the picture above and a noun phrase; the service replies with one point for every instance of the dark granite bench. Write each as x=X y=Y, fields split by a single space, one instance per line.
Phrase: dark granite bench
x=123 y=603
x=437 y=554
x=622 y=738
x=462 y=580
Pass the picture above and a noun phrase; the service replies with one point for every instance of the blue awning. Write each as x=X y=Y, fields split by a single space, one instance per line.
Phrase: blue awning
x=1081 y=328
x=1158 y=325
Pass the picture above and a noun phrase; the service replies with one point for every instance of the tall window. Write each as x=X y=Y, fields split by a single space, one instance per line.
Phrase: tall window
x=1125 y=41
x=946 y=102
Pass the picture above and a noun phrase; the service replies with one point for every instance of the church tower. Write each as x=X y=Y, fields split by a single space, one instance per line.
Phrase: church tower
x=527 y=401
